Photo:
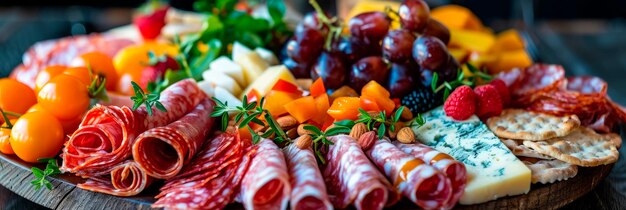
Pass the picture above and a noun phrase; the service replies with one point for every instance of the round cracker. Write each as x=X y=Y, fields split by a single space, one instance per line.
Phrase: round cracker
x=550 y=171
x=520 y=150
x=533 y=126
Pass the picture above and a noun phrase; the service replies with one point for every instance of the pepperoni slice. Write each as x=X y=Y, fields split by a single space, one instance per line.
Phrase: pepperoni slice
x=125 y=179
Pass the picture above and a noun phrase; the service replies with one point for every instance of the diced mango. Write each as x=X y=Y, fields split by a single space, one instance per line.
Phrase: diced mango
x=508 y=40
x=275 y=102
x=456 y=17
x=345 y=108
x=508 y=60
x=380 y=94
x=471 y=40
x=266 y=81
x=302 y=109
x=322 y=104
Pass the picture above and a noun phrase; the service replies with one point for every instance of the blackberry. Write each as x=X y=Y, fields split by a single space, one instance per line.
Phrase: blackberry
x=421 y=100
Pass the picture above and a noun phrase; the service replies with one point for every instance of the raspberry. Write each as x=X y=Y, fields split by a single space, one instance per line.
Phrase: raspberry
x=503 y=90
x=488 y=102
x=461 y=104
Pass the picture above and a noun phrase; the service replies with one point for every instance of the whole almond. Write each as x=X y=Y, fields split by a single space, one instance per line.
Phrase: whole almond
x=302 y=131
x=367 y=140
x=406 y=135
x=358 y=130
x=292 y=133
x=406 y=114
x=304 y=142
x=286 y=122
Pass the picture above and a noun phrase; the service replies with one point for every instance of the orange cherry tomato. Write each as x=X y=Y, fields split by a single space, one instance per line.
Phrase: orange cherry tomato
x=16 y=96
x=82 y=73
x=131 y=61
x=46 y=74
x=35 y=108
x=36 y=135
x=100 y=64
x=65 y=97
x=5 y=135
x=345 y=108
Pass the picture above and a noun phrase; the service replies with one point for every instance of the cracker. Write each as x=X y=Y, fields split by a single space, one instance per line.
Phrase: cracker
x=533 y=126
x=520 y=150
x=549 y=171
x=583 y=147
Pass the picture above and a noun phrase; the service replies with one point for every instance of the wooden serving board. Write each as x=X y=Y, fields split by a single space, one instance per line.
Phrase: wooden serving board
x=15 y=175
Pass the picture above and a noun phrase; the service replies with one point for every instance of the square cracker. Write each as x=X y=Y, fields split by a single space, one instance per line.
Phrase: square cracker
x=583 y=147
x=533 y=126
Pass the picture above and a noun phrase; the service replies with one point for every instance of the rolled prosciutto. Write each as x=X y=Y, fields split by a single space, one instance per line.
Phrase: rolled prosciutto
x=125 y=179
x=352 y=179
x=266 y=184
x=162 y=151
x=107 y=133
x=421 y=183
x=453 y=169
x=308 y=190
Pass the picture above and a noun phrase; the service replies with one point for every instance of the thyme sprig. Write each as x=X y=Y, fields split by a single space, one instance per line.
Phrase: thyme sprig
x=52 y=168
x=320 y=138
x=461 y=79
x=380 y=120
x=150 y=100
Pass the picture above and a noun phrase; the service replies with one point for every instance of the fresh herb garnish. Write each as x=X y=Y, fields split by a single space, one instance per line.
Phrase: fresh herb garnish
x=97 y=89
x=150 y=100
x=51 y=169
x=248 y=113
x=320 y=138
x=380 y=120
x=461 y=79
x=418 y=121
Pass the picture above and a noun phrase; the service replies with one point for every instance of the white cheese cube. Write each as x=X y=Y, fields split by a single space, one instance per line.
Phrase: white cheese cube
x=267 y=55
x=225 y=96
x=253 y=65
x=239 y=50
x=224 y=65
x=207 y=87
x=220 y=79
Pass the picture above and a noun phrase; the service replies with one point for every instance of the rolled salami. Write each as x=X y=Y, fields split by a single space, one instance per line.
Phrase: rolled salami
x=266 y=184
x=352 y=179
x=453 y=169
x=162 y=151
x=308 y=189
x=421 y=183
x=125 y=179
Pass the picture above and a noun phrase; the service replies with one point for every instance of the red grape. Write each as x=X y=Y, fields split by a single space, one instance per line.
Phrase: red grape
x=450 y=70
x=397 y=45
x=437 y=29
x=430 y=52
x=299 y=70
x=306 y=45
x=331 y=69
x=414 y=15
x=312 y=20
x=402 y=79
x=370 y=27
x=368 y=69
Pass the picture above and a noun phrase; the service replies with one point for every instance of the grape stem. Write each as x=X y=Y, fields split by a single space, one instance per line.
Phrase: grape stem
x=335 y=27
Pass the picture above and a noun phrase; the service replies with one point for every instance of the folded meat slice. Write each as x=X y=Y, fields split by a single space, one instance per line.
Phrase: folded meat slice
x=308 y=189
x=421 y=183
x=453 y=169
x=162 y=151
x=352 y=179
x=125 y=179
x=107 y=133
x=266 y=184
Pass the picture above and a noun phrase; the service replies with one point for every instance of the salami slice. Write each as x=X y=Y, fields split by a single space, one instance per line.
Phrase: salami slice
x=308 y=189
x=352 y=179
x=587 y=85
x=452 y=168
x=538 y=78
x=266 y=184
x=162 y=151
x=125 y=179
x=107 y=133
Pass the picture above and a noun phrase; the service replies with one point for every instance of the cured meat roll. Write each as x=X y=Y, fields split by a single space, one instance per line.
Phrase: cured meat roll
x=308 y=189
x=266 y=184
x=453 y=169
x=352 y=179
x=162 y=151
x=107 y=133
x=125 y=179
x=421 y=183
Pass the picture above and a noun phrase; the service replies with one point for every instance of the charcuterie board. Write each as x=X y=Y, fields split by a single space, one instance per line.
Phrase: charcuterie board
x=16 y=175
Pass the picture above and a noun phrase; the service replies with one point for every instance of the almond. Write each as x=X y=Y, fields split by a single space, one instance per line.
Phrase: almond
x=292 y=133
x=286 y=122
x=367 y=140
x=406 y=135
x=304 y=142
x=302 y=131
x=358 y=130
x=406 y=114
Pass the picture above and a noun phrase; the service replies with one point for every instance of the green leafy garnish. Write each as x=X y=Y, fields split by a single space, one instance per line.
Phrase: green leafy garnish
x=380 y=120
x=418 y=121
x=150 y=100
x=448 y=86
x=320 y=138
x=52 y=168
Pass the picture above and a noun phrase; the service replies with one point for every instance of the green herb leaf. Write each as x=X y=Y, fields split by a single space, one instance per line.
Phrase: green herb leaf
x=337 y=130
x=345 y=123
x=398 y=114
x=224 y=121
x=247 y=120
x=434 y=82
x=51 y=169
x=313 y=129
x=381 y=131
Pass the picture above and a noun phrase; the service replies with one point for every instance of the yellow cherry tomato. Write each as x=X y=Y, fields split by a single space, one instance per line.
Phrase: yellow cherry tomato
x=46 y=74
x=15 y=96
x=131 y=61
x=82 y=73
x=36 y=135
x=100 y=64
x=5 y=135
x=35 y=108
x=65 y=97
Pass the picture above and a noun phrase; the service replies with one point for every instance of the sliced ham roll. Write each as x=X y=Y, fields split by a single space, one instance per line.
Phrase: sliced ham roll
x=266 y=184
x=107 y=133
x=421 y=183
x=162 y=151
x=453 y=169
x=125 y=179
x=352 y=179
x=308 y=189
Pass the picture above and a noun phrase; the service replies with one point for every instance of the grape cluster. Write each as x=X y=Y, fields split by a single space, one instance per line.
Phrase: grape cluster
x=403 y=59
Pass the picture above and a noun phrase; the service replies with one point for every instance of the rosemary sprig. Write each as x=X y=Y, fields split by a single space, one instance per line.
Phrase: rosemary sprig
x=150 y=100
x=320 y=138
x=381 y=120
x=52 y=168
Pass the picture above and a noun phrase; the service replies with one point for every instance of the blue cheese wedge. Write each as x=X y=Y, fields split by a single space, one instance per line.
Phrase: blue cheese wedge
x=492 y=170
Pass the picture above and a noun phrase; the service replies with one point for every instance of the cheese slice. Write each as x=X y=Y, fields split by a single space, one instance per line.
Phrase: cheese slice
x=253 y=65
x=266 y=81
x=267 y=55
x=224 y=96
x=224 y=65
x=492 y=170
x=207 y=87
x=239 y=50
x=222 y=80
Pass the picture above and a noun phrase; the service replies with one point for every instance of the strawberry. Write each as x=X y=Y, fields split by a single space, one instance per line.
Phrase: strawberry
x=503 y=90
x=157 y=66
x=488 y=102
x=150 y=25
x=461 y=103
